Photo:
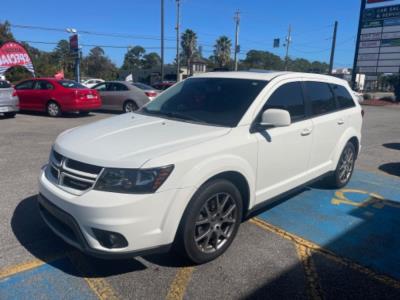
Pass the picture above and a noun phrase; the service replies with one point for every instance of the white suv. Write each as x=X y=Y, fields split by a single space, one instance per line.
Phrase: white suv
x=190 y=166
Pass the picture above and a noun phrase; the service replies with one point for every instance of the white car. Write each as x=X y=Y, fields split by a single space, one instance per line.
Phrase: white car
x=89 y=83
x=191 y=165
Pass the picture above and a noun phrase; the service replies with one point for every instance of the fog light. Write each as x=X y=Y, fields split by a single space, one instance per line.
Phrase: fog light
x=110 y=240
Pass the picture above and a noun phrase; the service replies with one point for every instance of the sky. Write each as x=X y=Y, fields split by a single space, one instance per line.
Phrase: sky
x=137 y=22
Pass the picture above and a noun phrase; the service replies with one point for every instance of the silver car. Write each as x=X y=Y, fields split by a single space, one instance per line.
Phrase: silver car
x=9 y=103
x=121 y=96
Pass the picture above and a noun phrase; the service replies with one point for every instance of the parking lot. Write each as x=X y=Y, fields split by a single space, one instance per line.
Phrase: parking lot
x=315 y=244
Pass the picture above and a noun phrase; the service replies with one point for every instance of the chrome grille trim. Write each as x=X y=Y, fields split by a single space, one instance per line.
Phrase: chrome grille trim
x=85 y=180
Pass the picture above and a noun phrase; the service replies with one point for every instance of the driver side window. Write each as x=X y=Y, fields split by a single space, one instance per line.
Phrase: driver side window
x=288 y=97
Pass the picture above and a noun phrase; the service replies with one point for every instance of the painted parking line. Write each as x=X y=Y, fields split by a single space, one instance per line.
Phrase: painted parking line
x=360 y=222
x=48 y=281
x=178 y=286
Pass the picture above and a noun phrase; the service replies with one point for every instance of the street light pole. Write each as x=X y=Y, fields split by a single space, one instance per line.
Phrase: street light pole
x=178 y=67
x=236 y=50
x=288 y=41
x=333 y=48
x=162 y=40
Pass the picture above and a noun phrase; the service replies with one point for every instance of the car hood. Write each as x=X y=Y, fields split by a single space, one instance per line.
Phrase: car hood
x=130 y=140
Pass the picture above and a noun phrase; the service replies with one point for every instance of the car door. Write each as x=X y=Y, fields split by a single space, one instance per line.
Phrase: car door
x=120 y=94
x=24 y=90
x=284 y=152
x=102 y=89
x=41 y=94
x=329 y=125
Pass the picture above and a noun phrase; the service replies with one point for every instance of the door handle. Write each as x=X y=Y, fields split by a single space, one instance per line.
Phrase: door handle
x=306 y=132
x=340 y=122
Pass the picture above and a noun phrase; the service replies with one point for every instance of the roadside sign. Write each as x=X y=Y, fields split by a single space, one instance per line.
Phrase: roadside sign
x=73 y=43
x=378 y=48
x=277 y=43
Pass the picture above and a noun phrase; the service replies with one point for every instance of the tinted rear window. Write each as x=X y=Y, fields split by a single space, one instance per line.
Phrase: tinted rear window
x=69 y=84
x=321 y=98
x=143 y=86
x=343 y=96
x=4 y=84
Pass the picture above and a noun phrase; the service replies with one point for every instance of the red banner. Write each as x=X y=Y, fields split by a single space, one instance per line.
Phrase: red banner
x=14 y=54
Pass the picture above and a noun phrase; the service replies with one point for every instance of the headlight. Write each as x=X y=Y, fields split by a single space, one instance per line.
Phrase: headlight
x=133 y=181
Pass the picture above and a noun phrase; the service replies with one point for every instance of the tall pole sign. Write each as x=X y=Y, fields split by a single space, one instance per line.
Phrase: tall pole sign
x=74 y=48
x=378 y=40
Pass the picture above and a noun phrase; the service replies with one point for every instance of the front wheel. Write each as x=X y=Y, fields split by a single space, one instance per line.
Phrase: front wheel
x=129 y=106
x=345 y=167
x=210 y=222
x=53 y=109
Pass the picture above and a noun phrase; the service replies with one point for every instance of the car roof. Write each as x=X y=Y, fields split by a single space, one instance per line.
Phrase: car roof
x=269 y=75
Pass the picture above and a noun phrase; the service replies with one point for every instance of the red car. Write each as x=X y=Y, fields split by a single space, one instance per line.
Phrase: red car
x=56 y=96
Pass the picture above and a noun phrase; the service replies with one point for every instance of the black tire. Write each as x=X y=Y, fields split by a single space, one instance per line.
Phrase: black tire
x=345 y=167
x=129 y=106
x=10 y=114
x=53 y=109
x=221 y=233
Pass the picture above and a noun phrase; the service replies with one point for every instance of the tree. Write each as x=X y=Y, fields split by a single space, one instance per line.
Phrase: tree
x=262 y=60
x=151 y=60
x=5 y=33
x=63 y=58
x=222 y=51
x=99 y=65
x=189 y=47
x=133 y=58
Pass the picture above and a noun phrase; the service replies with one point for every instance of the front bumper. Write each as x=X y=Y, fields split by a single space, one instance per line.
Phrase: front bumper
x=148 y=222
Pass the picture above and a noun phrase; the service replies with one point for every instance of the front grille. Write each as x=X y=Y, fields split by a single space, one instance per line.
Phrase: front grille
x=70 y=175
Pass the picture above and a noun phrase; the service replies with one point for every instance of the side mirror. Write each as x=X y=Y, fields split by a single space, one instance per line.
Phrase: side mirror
x=275 y=118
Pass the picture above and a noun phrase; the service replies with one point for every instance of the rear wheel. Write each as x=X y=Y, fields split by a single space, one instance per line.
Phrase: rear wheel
x=53 y=109
x=129 y=106
x=210 y=222
x=10 y=114
x=345 y=167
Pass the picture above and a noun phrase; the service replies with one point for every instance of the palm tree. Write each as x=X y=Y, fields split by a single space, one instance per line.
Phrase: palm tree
x=189 y=47
x=222 y=51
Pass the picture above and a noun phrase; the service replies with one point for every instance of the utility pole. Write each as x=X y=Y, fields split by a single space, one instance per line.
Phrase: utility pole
x=333 y=48
x=178 y=64
x=360 y=21
x=162 y=40
x=237 y=21
x=288 y=42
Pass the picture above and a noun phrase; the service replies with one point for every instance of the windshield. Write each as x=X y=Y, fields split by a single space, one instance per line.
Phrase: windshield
x=216 y=101
x=71 y=84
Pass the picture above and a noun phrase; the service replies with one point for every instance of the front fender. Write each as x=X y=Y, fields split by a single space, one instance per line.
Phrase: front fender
x=348 y=135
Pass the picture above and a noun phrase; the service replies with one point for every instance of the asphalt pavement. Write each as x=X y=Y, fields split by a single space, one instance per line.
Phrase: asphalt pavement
x=274 y=255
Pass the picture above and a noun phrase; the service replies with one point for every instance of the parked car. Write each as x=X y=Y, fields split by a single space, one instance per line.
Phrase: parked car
x=91 y=82
x=162 y=86
x=56 y=96
x=359 y=96
x=150 y=92
x=191 y=165
x=121 y=96
x=9 y=103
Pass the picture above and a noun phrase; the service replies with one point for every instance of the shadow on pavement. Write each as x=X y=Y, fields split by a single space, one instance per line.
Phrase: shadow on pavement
x=63 y=116
x=391 y=168
x=393 y=146
x=34 y=235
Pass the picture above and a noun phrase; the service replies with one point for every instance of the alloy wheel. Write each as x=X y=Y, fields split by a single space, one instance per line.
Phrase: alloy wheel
x=215 y=223
x=346 y=164
x=53 y=109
